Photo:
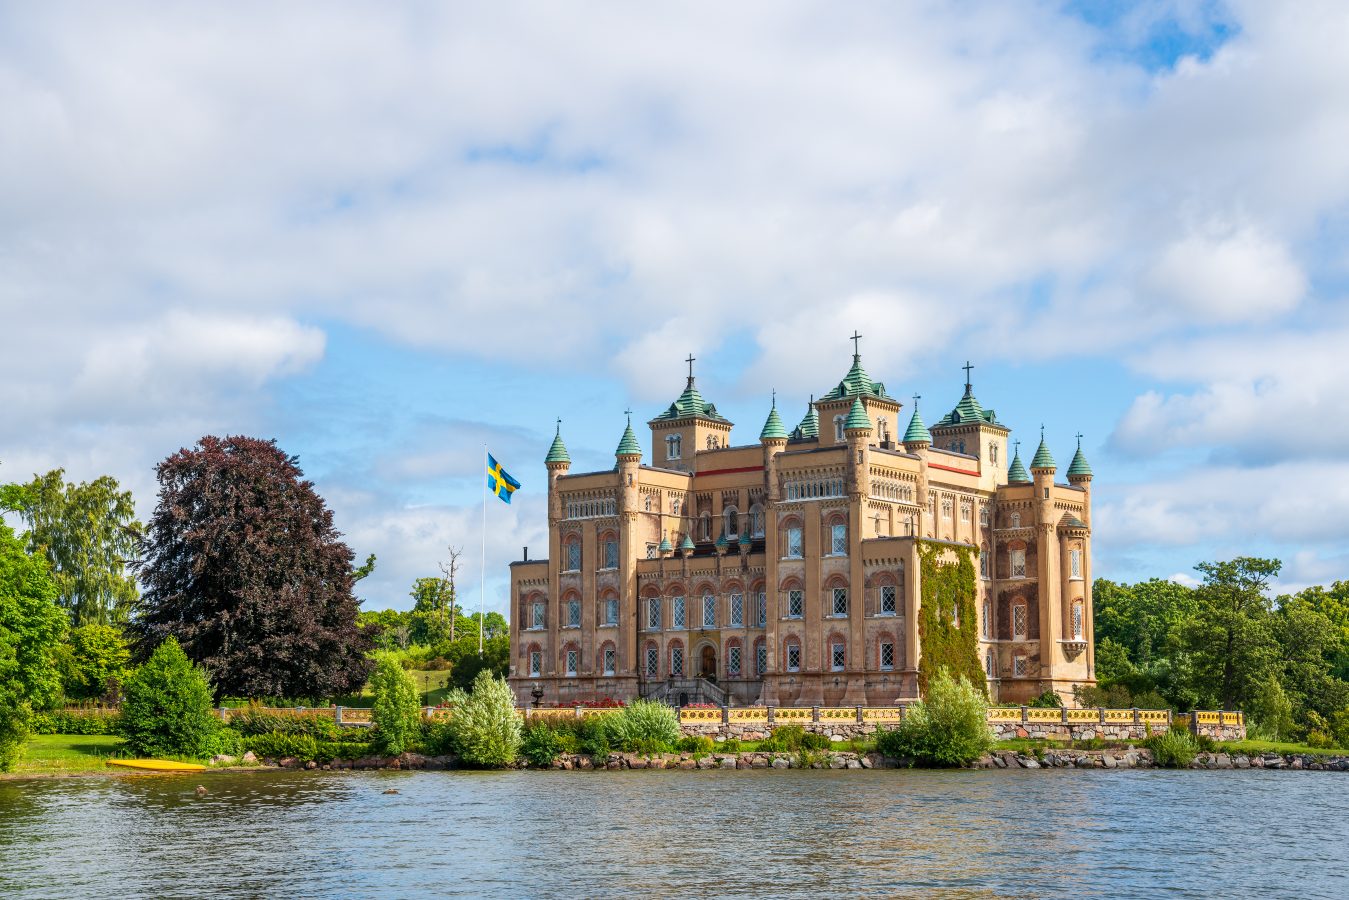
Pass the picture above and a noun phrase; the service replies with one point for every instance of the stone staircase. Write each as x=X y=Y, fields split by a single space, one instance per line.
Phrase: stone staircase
x=678 y=691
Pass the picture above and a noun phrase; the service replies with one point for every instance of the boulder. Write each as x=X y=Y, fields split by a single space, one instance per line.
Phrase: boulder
x=636 y=762
x=781 y=762
x=250 y=758
x=1108 y=760
x=686 y=763
x=726 y=762
x=288 y=762
x=1027 y=763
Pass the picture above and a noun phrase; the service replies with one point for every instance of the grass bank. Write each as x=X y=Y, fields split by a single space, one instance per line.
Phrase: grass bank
x=66 y=754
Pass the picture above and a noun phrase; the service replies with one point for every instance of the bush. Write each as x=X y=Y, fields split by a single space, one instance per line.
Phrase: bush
x=167 y=711
x=812 y=741
x=730 y=745
x=227 y=742
x=646 y=727
x=330 y=750
x=785 y=738
x=14 y=730
x=396 y=714
x=1047 y=700
x=438 y=739
x=539 y=743
x=75 y=721
x=318 y=724
x=94 y=662
x=949 y=728
x=485 y=725
x=279 y=745
x=694 y=743
x=1172 y=750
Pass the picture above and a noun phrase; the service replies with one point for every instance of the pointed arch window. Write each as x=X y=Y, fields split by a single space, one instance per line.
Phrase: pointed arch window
x=672 y=446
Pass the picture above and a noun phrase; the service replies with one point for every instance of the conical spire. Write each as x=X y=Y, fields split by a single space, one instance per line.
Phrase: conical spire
x=665 y=545
x=1043 y=459
x=857 y=416
x=773 y=429
x=628 y=446
x=857 y=381
x=686 y=545
x=917 y=432
x=1016 y=473
x=557 y=453
x=1079 y=468
x=810 y=425
x=691 y=403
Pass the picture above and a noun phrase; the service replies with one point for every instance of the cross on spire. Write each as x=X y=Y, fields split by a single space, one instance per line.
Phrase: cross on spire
x=967 y=368
x=690 y=361
x=1016 y=448
x=1079 y=440
x=916 y=398
x=627 y=412
x=856 y=346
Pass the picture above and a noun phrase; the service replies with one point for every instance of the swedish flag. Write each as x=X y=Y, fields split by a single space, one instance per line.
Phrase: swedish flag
x=499 y=480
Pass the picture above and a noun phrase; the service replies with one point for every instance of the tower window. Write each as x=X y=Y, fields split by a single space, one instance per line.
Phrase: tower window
x=838 y=429
x=672 y=448
x=1018 y=563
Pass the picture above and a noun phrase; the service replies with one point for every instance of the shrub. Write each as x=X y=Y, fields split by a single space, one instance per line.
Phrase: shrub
x=1047 y=700
x=227 y=742
x=318 y=724
x=396 y=714
x=95 y=661
x=438 y=739
x=1172 y=750
x=539 y=743
x=167 y=711
x=14 y=730
x=694 y=743
x=812 y=741
x=593 y=735
x=731 y=745
x=485 y=725
x=785 y=738
x=1089 y=744
x=808 y=758
x=647 y=727
x=1319 y=739
x=330 y=750
x=279 y=745
x=75 y=721
x=948 y=728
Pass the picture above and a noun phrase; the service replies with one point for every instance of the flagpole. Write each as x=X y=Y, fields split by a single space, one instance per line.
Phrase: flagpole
x=482 y=573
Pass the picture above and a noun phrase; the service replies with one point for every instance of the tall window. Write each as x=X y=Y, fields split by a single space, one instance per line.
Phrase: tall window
x=838 y=429
x=573 y=613
x=611 y=554
x=888 y=604
x=983 y=563
x=1019 y=622
x=887 y=656
x=653 y=614
x=1075 y=562
x=574 y=556
x=1016 y=520
x=983 y=515
x=964 y=511
x=535 y=663
x=987 y=626
x=989 y=668
x=1077 y=621
x=761 y=657
x=733 y=660
x=705 y=526
x=762 y=617
x=610 y=660
x=955 y=612
x=672 y=446
x=1018 y=563
x=993 y=452
x=793 y=657
x=677 y=659
x=838 y=656
x=838 y=539
x=756 y=521
x=677 y=613
x=611 y=611
x=652 y=661
x=1019 y=666
x=539 y=614
x=731 y=518
x=573 y=660
x=794 y=543
x=796 y=604
x=946 y=507
x=709 y=611
x=737 y=609
x=840 y=597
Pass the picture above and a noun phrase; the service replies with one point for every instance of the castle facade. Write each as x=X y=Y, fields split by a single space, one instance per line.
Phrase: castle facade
x=788 y=571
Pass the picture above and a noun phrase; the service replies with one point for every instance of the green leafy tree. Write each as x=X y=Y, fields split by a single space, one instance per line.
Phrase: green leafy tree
x=89 y=534
x=466 y=664
x=31 y=627
x=397 y=713
x=1333 y=603
x=244 y=567
x=167 y=710
x=1270 y=712
x=1231 y=636
x=949 y=727
x=486 y=728
x=389 y=628
x=96 y=659
x=432 y=616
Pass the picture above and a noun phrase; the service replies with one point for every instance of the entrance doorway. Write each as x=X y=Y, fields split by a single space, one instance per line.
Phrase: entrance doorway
x=708 y=662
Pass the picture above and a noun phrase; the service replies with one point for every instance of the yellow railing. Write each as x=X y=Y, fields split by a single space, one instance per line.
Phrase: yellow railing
x=882 y=713
x=750 y=714
x=793 y=714
x=1082 y=715
x=1044 y=715
x=1207 y=718
x=1002 y=714
x=838 y=713
x=1119 y=715
x=1153 y=716
x=699 y=716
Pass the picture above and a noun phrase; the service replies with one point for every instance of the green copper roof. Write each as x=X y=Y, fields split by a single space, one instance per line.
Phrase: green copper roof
x=1016 y=473
x=968 y=412
x=722 y=542
x=665 y=545
x=1043 y=459
x=690 y=404
x=628 y=446
x=773 y=429
x=857 y=382
x=745 y=539
x=558 y=452
x=1079 y=465
x=857 y=416
x=687 y=543
x=810 y=425
x=917 y=432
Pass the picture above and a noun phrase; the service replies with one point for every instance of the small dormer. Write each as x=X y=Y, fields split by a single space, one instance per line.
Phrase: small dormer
x=689 y=424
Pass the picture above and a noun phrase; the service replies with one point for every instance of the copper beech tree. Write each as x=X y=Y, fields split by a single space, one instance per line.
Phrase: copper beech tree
x=241 y=563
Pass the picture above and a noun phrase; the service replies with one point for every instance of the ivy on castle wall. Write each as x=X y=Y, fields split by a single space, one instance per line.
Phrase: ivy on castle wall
x=945 y=644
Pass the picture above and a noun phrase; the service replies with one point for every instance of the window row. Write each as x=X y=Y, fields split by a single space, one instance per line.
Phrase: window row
x=571 y=553
x=836 y=539
x=606 y=662
x=814 y=488
x=738 y=612
x=537 y=613
x=591 y=507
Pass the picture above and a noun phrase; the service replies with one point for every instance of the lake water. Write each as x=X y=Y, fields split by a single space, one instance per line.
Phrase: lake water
x=700 y=834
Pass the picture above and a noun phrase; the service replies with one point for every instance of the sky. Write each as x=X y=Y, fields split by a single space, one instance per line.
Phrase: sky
x=387 y=235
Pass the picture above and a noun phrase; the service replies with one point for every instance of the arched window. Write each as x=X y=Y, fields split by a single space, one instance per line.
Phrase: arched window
x=1016 y=520
x=571 y=660
x=1018 y=621
x=572 y=552
x=792 y=539
x=760 y=656
x=983 y=515
x=672 y=448
x=535 y=661
x=838 y=428
x=573 y=608
x=990 y=667
x=882 y=429
x=676 y=659
x=986 y=626
x=731 y=526
x=837 y=536
x=791 y=652
x=674 y=506
x=709 y=610
x=993 y=452
x=648 y=503
x=836 y=595
x=983 y=561
x=1077 y=620
x=608 y=658
x=609 y=609
x=756 y=521
x=609 y=551
x=1017 y=557
x=652 y=654
x=734 y=653
x=705 y=526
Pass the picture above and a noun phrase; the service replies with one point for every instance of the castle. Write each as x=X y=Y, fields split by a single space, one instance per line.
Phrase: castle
x=789 y=572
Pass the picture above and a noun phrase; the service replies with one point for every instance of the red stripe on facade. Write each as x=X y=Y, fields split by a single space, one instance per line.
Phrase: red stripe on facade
x=730 y=471
x=933 y=465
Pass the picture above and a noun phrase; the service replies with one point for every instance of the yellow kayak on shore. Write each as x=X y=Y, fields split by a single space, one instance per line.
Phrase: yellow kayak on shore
x=157 y=765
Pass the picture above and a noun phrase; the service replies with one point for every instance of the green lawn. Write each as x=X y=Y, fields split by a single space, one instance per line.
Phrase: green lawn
x=59 y=754
x=432 y=686
x=1251 y=746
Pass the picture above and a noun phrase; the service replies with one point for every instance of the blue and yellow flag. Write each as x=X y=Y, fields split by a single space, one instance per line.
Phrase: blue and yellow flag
x=499 y=480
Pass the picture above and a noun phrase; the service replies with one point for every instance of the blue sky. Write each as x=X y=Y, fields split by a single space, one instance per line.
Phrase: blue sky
x=388 y=235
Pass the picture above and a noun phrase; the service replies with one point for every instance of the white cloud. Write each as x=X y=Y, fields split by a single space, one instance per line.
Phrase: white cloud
x=1232 y=275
